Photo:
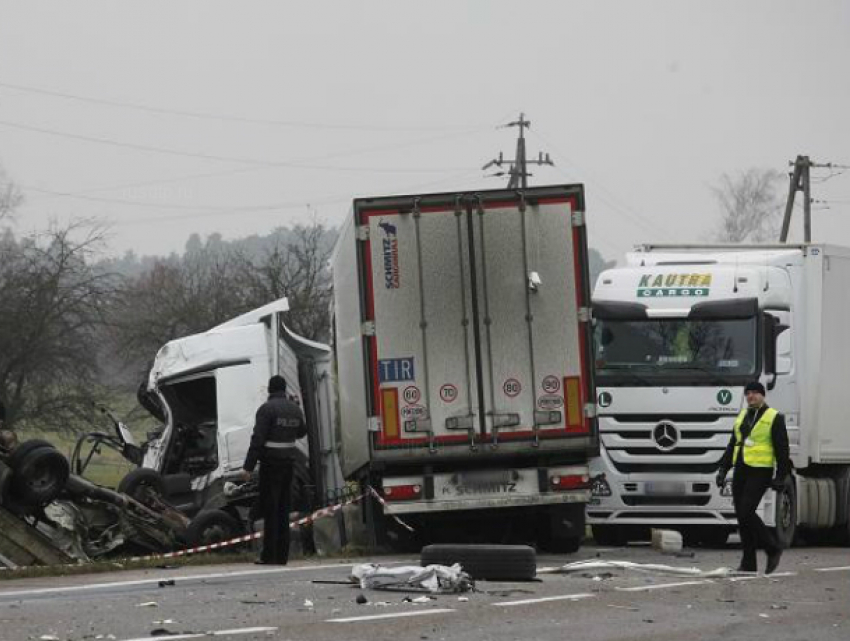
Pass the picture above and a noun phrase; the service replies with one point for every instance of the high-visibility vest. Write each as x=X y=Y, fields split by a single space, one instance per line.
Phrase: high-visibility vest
x=758 y=446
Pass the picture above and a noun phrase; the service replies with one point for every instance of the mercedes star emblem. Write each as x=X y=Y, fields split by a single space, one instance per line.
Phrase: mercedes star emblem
x=666 y=436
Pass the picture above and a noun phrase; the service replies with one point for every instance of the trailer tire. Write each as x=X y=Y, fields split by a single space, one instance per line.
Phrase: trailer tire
x=486 y=562
x=212 y=526
x=786 y=513
x=137 y=483
x=40 y=475
x=608 y=535
x=20 y=453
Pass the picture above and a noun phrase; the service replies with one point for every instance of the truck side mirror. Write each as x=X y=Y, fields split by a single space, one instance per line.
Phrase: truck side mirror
x=770 y=323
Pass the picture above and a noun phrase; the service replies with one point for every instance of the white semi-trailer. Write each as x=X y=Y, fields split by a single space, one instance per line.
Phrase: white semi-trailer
x=679 y=331
x=463 y=352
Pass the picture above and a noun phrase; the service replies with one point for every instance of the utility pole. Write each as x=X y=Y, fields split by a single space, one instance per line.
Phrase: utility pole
x=801 y=181
x=518 y=167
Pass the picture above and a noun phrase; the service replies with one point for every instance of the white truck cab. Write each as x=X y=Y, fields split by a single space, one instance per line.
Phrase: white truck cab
x=679 y=331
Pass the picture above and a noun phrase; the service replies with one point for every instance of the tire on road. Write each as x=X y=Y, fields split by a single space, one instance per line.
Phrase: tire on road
x=486 y=562
x=39 y=476
x=138 y=482
x=212 y=526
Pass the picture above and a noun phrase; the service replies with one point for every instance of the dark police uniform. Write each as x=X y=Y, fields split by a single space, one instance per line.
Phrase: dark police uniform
x=279 y=423
x=759 y=443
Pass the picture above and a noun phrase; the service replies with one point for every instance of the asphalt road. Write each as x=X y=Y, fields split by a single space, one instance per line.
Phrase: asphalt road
x=809 y=599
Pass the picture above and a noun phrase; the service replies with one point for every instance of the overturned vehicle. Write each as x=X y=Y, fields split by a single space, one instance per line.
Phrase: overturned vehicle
x=204 y=390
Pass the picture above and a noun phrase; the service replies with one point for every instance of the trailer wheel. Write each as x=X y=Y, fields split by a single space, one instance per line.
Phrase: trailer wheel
x=20 y=453
x=486 y=562
x=141 y=483
x=40 y=475
x=212 y=526
x=786 y=513
x=609 y=535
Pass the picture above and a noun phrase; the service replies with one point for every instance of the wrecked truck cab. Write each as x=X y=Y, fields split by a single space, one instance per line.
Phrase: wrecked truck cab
x=209 y=386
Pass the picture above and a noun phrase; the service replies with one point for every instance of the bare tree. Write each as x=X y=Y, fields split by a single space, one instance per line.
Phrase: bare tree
x=53 y=303
x=213 y=282
x=750 y=206
x=297 y=269
x=10 y=196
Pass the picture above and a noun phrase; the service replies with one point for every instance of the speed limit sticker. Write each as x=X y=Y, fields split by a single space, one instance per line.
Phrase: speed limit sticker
x=411 y=394
x=448 y=393
x=511 y=387
x=551 y=384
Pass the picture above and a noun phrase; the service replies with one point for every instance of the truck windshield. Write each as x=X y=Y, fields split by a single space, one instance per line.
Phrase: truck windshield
x=675 y=350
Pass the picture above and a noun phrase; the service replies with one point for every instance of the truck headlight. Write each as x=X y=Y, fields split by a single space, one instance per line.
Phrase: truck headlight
x=600 y=486
x=726 y=490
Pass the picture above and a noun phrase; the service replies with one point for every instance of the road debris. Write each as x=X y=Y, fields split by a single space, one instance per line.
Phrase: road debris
x=166 y=584
x=648 y=568
x=361 y=599
x=432 y=578
x=148 y=604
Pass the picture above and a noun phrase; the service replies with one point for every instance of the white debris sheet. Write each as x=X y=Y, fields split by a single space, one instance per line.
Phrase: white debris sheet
x=432 y=578
x=645 y=568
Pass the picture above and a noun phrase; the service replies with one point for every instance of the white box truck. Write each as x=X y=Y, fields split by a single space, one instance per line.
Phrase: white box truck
x=679 y=331
x=463 y=348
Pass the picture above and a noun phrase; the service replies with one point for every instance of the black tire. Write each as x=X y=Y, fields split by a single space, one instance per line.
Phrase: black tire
x=39 y=476
x=212 y=526
x=786 y=513
x=608 y=535
x=139 y=482
x=5 y=480
x=22 y=451
x=486 y=562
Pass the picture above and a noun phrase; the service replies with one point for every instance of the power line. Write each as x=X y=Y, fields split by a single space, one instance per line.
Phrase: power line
x=634 y=217
x=219 y=117
x=240 y=170
x=247 y=161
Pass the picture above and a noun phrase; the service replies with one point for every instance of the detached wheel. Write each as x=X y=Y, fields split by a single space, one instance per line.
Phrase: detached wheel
x=5 y=480
x=786 y=513
x=608 y=535
x=141 y=483
x=486 y=562
x=39 y=477
x=22 y=451
x=212 y=526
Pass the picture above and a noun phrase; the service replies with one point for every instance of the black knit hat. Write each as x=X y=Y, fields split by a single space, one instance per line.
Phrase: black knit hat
x=277 y=384
x=755 y=386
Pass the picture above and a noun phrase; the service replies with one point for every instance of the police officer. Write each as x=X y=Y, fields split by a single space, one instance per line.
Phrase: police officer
x=759 y=443
x=279 y=423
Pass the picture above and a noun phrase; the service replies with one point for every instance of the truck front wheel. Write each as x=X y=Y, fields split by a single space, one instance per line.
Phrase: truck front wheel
x=786 y=513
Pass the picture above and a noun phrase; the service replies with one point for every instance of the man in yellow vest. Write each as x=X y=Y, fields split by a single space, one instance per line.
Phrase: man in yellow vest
x=759 y=444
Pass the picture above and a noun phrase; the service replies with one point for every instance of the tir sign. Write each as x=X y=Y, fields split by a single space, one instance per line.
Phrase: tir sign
x=393 y=370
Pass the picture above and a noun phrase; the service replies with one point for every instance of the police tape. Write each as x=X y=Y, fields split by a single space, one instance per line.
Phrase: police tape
x=247 y=538
x=383 y=503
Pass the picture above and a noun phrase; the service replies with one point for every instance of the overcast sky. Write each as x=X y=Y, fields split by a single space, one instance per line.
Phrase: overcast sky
x=166 y=118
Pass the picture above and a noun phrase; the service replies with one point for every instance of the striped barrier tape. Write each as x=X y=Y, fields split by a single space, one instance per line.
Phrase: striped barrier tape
x=383 y=503
x=247 y=538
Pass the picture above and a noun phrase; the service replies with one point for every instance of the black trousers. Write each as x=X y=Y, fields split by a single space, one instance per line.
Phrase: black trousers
x=275 y=492
x=748 y=487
